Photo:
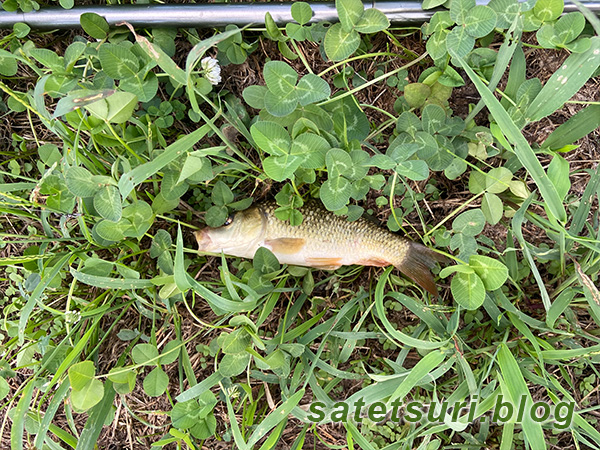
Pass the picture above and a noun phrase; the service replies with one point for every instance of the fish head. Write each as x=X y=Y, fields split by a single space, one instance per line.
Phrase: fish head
x=239 y=236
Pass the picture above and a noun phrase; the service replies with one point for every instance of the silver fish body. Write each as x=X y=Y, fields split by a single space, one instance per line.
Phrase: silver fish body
x=324 y=240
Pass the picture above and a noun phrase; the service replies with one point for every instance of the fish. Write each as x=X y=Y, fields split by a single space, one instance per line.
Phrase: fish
x=323 y=240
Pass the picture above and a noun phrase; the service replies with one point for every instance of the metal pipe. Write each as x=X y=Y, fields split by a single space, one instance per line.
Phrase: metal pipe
x=206 y=15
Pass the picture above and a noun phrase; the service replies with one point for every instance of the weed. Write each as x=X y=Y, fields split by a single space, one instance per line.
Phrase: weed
x=121 y=146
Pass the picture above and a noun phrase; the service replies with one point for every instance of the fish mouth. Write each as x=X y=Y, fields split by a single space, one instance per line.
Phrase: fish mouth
x=203 y=239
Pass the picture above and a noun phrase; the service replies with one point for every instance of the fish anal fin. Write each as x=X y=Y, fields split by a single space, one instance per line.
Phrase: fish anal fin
x=324 y=263
x=286 y=246
x=375 y=262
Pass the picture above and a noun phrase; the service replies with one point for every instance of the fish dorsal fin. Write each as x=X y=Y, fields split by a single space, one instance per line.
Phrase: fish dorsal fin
x=324 y=263
x=287 y=246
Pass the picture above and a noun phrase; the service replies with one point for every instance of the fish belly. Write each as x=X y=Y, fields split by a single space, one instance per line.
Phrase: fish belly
x=318 y=254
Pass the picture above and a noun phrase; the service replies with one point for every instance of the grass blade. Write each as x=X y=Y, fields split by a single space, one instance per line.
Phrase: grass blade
x=578 y=126
x=420 y=370
x=235 y=429
x=345 y=311
x=18 y=425
x=275 y=417
x=516 y=76
x=590 y=291
x=517 y=388
x=565 y=82
x=134 y=177
x=585 y=204
x=555 y=355
x=508 y=432
x=275 y=436
x=56 y=401
x=160 y=57
x=37 y=292
x=559 y=305
x=522 y=148
x=517 y=223
x=77 y=349
x=97 y=417
x=421 y=311
x=219 y=303
x=184 y=282
x=505 y=55
x=587 y=428
x=398 y=335
x=63 y=435
x=110 y=283
x=201 y=387
x=194 y=56
x=358 y=437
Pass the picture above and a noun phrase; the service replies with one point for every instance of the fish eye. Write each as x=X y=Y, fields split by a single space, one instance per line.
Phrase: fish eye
x=229 y=220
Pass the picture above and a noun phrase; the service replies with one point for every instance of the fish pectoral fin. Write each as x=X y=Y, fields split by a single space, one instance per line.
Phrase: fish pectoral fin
x=375 y=262
x=324 y=263
x=287 y=246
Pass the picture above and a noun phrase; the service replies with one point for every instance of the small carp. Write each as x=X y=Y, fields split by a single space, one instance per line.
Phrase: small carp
x=324 y=240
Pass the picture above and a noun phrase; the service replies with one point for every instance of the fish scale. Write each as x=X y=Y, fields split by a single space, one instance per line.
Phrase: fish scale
x=323 y=240
x=328 y=232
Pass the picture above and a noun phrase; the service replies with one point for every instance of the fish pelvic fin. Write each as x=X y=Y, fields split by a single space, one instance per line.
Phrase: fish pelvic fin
x=375 y=262
x=417 y=265
x=324 y=263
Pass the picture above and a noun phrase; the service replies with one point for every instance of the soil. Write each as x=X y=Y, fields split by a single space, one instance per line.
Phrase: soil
x=151 y=414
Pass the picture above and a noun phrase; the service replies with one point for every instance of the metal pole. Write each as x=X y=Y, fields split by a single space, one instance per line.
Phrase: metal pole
x=202 y=15
x=207 y=15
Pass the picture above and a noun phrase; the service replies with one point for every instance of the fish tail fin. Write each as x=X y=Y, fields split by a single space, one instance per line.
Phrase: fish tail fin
x=417 y=265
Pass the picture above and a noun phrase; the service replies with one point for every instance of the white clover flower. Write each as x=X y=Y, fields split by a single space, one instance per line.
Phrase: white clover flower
x=212 y=70
x=233 y=392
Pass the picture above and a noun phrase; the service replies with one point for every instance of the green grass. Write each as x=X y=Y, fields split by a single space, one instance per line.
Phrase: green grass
x=121 y=146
